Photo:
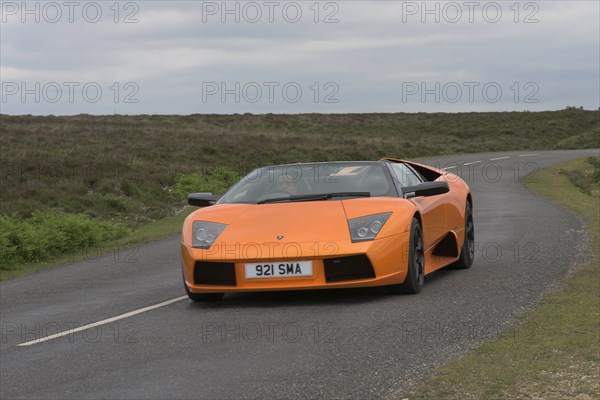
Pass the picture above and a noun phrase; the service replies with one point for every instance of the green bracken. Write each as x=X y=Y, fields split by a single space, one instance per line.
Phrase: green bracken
x=46 y=235
x=217 y=181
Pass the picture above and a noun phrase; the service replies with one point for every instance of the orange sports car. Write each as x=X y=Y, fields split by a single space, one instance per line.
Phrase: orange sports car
x=328 y=225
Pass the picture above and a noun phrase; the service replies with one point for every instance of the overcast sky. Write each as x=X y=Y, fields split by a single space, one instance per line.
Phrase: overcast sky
x=165 y=57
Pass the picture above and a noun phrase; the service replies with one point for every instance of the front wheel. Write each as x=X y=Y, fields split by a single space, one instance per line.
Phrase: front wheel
x=415 y=277
x=467 y=253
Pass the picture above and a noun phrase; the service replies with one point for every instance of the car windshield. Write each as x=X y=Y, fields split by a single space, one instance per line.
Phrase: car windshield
x=310 y=182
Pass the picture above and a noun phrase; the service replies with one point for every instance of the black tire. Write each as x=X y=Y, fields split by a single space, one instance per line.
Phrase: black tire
x=415 y=278
x=201 y=297
x=467 y=253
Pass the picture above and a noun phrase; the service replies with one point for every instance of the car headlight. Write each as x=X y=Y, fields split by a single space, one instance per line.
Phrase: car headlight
x=205 y=233
x=366 y=228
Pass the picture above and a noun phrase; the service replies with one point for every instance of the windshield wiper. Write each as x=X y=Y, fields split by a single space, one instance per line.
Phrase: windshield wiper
x=314 y=197
x=348 y=194
x=296 y=197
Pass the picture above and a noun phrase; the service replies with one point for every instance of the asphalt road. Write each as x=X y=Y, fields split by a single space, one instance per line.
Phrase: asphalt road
x=324 y=344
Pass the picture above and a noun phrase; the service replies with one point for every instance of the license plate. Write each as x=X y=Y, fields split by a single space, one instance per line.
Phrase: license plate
x=279 y=269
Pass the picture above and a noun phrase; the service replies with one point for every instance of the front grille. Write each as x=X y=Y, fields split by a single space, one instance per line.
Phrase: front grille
x=348 y=268
x=214 y=273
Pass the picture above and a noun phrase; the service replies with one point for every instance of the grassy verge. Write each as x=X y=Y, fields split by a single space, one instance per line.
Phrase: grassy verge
x=559 y=357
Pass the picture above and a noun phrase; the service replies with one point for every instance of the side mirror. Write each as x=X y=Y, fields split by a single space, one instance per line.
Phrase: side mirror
x=425 y=189
x=202 y=199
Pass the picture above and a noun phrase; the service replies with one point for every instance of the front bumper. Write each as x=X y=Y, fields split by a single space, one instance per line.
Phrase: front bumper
x=387 y=256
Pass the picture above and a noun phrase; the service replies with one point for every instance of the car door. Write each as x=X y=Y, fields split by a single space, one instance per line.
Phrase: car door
x=432 y=208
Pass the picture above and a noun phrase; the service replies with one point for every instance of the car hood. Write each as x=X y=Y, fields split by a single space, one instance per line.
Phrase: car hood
x=313 y=221
x=300 y=222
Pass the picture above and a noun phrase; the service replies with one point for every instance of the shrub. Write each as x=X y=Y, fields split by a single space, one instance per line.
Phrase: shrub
x=586 y=180
x=216 y=181
x=49 y=234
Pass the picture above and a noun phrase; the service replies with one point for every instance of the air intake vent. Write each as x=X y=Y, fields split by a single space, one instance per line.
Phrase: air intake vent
x=214 y=273
x=348 y=268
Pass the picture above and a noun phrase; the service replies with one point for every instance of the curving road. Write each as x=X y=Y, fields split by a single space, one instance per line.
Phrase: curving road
x=326 y=344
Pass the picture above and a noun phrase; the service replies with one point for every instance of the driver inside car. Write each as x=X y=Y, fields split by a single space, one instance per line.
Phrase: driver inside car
x=287 y=184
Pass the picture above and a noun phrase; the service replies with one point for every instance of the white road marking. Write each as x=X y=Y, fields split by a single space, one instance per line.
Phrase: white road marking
x=499 y=158
x=471 y=163
x=450 y=167
x=528 y=155
x=103 y=322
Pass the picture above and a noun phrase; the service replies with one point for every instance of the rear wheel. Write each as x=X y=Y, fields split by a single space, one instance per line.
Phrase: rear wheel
x=199 y=297
x=415 y=277
x=467 y=254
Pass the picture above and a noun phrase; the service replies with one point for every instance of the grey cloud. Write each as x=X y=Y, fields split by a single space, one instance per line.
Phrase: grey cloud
x=370 y=54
